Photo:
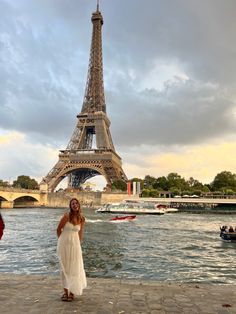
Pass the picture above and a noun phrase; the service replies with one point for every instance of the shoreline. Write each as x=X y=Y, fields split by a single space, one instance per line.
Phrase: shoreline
x=41 y=294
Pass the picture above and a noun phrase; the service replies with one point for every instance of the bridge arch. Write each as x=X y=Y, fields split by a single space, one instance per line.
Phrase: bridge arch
x=25 y=201
x=3 y=198
x=12 y=197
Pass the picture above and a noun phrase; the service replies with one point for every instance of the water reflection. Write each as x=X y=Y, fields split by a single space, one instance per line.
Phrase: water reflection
x=102 y=249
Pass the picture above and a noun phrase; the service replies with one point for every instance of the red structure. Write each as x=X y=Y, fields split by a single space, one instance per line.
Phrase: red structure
x=129 y=188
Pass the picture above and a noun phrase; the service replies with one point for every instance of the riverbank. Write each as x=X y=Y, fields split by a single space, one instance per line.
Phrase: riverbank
x=207 y=211
x=41 y=294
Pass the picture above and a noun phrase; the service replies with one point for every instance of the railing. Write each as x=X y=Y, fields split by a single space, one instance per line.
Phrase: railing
x=88 y=151
x=19 y=190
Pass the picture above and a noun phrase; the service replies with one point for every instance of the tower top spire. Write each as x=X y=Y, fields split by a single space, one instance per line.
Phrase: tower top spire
x=94 y=98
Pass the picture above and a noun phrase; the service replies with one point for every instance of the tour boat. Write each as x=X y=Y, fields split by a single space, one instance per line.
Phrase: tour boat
x=227 y=235
x=131 y=208
x=120 y=218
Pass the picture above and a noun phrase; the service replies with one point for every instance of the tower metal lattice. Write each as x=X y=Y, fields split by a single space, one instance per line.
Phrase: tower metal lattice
x=90 y=151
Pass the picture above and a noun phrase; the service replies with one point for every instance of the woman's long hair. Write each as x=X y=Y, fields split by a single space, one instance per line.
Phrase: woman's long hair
x=79 y=217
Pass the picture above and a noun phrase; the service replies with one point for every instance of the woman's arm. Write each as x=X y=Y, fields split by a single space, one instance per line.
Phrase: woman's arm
x=61 y=224
x=81 y=231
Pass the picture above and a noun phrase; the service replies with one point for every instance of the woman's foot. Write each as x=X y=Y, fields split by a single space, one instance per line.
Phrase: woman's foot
x=70 y=297
x=64 y=297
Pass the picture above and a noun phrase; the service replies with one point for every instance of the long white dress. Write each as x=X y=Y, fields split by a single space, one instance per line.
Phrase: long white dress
x=71 y=259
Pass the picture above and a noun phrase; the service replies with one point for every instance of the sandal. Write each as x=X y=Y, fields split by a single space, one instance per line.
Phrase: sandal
x=64 y=297
x=70 y=297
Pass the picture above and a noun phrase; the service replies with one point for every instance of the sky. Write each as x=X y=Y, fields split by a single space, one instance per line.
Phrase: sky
x=169 y=77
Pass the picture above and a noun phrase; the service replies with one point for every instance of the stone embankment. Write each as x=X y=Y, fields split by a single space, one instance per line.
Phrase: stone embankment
x=41 y=295
x=61 y=199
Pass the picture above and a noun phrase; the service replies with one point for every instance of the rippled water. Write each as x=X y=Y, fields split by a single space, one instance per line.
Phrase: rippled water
x=172 y=247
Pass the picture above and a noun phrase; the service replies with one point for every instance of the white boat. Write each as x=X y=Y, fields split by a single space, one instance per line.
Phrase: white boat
x=131 y=208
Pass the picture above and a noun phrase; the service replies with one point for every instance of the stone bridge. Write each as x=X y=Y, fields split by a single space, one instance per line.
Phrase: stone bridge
x=13 y=197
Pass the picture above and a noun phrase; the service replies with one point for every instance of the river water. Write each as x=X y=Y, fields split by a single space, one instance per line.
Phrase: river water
x=172 y=247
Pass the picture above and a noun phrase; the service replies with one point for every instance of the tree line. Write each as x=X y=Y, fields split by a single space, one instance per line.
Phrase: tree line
x=23 y=182
x=223 y=183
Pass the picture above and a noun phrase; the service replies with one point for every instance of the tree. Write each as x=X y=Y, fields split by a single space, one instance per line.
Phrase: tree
x=174 y=191
x=149 y=182
x=25 y=182
x=175 y=180
x=206 y=188
x=161 y=183
x=224 y=180
x=4 y=183
x=153 y=193
x=119 y=185
x=145 y=193
x=194 y=184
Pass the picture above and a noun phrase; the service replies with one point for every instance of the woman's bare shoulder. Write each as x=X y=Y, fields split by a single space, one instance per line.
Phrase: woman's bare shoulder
x=65 y=216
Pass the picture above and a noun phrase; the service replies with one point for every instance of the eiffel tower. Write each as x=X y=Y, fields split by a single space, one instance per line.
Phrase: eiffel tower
x=90 y=151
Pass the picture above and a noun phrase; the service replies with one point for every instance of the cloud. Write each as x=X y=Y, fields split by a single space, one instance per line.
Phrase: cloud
x=184 y=112
x=200 y=162
x=20 y=157
x=159 y=46
x=169 y=74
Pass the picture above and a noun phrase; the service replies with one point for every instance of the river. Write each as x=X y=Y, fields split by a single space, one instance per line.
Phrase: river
x=177 y=247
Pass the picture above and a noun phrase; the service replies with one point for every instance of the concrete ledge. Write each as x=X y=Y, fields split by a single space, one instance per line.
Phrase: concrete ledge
x=41 y=294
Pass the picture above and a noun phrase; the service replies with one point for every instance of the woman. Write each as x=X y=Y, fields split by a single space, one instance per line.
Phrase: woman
x=70 y=234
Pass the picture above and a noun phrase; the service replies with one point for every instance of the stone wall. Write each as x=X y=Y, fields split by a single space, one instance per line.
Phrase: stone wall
x=113 y=197
x=62 y=199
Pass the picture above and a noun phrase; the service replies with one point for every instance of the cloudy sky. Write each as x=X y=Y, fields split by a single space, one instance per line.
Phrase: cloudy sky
x=169 y=76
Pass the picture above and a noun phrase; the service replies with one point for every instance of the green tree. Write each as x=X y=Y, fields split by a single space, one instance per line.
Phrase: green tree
x=4 y=183
x=119 y=185
x=174 y=191
x=25 y=182
x=175 y=180
x=153 y=193
x=207 y=188
x=145 y=193
x=197 y=192
x=161 y=183
x=194 y=184
x=229 y=192
x=149 y=182
x=224 y=180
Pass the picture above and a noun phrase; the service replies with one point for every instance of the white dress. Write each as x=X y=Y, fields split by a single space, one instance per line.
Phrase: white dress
x=71 y=259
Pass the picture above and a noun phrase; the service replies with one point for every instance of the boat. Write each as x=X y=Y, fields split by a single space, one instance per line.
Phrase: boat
x=120 y=218
x=166 y=208
x=131 y=208
x=228 y=234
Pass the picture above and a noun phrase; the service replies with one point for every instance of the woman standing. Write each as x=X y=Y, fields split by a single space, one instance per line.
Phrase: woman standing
x=70 y=234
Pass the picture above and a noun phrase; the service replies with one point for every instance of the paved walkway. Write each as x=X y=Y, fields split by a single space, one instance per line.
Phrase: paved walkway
x=41 y=294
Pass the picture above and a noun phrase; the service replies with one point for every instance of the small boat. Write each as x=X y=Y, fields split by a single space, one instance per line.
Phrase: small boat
x=228 y=234
x=166 y=208
x=120 y=218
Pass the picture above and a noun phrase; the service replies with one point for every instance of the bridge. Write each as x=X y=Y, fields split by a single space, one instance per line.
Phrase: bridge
x=13 y=197
x=190 y=200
